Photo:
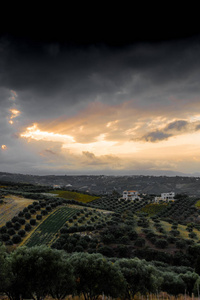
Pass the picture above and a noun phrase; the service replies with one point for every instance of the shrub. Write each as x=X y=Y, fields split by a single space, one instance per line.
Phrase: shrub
x=15 y=219
x=78 y=248
x=133 y=235
x=44 y=212
x=32 y=222
x=72 y=229
x=91 y=250
x=174 y=226
x=99 y=226
x=150 y=234
x=9 y=224
x=90 y=227
x=27 y=216
x=181 y=244
x=192 y=235
x=22 y=221
x=9 y=243
x=140 y=242
x=39 y=217
x=106 y=250
x=20 y=214
x=5 y=237
x=17 y=226
x=124 y=239
x=21 y=232
x=32 y=211
x=174 y=232
x=48 y=208
x=28 y=227
x=82 y=228
x=171 y=239
x=16 y=239
x=161 y=243
x=3 y=229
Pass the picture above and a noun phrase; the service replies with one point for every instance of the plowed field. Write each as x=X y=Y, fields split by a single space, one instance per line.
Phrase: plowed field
x=11 y=207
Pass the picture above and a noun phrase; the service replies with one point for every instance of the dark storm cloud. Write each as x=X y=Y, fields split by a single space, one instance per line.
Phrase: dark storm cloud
x=177 y=125
x=136 y=84
x=175 y=128
x=155 y=136
x=52 y=78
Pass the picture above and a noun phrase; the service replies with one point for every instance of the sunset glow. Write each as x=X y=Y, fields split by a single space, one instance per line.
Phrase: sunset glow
x=34 y=133
x=3 y=147
x=101 y=110
x=14 y=113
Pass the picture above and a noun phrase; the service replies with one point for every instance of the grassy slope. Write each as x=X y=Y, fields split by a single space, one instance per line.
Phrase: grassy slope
x=167 y=227
x=153 y=208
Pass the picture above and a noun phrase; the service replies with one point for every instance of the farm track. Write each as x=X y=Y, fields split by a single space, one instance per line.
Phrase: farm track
x=45 y=233
x=12 y=206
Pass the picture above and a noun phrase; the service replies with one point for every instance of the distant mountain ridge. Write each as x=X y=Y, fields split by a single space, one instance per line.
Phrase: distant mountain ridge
x=106 y=184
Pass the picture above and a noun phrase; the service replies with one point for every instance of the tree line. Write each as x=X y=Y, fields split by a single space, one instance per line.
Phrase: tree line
x=37 y=272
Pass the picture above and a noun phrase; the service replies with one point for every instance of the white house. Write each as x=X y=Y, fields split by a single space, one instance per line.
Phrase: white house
x=130 y=195
x=166 y=197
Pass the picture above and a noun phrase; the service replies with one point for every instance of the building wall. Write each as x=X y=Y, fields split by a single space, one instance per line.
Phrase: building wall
x=130 y=195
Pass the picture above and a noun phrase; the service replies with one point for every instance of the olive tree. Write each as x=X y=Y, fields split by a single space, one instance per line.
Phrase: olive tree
x=140 y=276
x=34 y=271
x=95 y=276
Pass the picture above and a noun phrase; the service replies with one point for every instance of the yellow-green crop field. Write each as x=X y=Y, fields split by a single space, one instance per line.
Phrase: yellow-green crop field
x=74 y=196
x=197 y=204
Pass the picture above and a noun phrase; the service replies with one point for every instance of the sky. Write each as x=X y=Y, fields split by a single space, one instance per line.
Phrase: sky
x=111 y=103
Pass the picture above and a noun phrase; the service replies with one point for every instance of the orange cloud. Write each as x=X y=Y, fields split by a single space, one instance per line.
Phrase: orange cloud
x=4 y=147
x=14 y=113
x=118 y=137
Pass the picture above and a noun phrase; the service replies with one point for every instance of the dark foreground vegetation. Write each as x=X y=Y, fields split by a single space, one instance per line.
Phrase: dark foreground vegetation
x=37 y=272
x=107 y=246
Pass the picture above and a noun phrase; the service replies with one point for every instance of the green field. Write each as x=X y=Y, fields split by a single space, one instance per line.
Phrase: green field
x=46 y=231
x=197 y=204
x=153 y=208
x=74 y=196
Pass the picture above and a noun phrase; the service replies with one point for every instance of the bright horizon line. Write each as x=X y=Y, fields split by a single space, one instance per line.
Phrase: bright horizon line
x=98 y=173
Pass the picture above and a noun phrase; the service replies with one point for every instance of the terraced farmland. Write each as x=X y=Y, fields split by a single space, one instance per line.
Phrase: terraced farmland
x=45 y=233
